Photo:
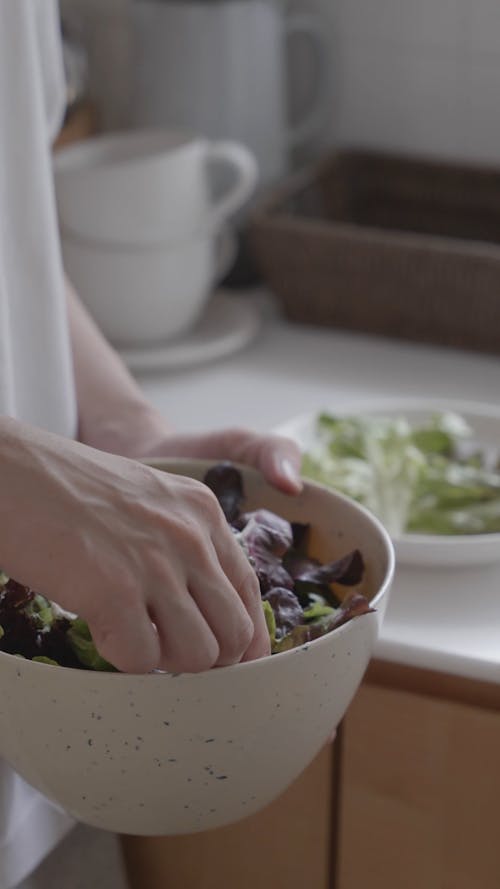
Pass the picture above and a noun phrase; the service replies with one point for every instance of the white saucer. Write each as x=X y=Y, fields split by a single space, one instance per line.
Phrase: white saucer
x=229 y=323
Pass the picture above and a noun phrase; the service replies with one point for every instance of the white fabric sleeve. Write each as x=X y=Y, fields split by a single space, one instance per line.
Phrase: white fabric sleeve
x=36 y=375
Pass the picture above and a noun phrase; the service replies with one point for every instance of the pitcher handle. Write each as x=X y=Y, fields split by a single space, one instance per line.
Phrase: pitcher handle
x=312 y=28
x=246 y=176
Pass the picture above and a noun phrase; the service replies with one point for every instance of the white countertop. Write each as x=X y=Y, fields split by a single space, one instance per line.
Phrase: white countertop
x=440 y=619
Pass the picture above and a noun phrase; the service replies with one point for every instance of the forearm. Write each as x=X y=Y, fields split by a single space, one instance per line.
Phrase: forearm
x=110 y=403
x=34 y=528
x=15 y=480
x=114 y=416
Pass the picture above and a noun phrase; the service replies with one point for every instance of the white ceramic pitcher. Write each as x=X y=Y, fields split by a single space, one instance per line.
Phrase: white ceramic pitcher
x=220 y=67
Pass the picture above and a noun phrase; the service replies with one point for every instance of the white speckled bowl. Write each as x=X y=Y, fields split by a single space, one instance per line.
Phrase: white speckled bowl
x=165 y=754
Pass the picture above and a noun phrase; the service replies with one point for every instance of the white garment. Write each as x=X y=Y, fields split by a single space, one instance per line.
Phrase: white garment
x=86 y=859
x=36 y=381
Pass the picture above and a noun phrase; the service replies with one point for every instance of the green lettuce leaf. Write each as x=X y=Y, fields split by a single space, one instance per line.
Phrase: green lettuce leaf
x=82 y=644
x=413 y=478
x=270 y=621
x=41 y=659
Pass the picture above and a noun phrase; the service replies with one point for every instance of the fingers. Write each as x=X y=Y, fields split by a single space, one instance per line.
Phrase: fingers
x=225 y=613
x=125 y=636
x=278 y=458
x=190 y=599
x=207 y=622
x=260 y=645
x=279 y=462
x=199 y=607
x=224 y=585
x=238 y=570
x=188 y=643
x=282 y=469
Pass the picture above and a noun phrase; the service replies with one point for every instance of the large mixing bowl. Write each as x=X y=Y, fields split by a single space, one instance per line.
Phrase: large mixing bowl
x=172 y=754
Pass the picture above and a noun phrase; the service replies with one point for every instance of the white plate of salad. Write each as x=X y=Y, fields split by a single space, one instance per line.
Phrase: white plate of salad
x=430 y=470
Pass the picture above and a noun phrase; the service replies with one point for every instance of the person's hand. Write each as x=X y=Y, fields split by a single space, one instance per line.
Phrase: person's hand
x=145 y=557
x=144 y=433
x=278 y=458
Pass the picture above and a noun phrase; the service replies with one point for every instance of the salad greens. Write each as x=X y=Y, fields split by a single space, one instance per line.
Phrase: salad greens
x=432 y=478
x=298 y=597
x=33 y=627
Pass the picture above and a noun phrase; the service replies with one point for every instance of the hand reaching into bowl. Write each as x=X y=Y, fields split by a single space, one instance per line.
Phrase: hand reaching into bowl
x=146 y=558
x=276 y=457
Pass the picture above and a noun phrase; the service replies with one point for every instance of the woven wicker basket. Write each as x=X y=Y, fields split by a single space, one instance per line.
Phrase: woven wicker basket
x=388 y=245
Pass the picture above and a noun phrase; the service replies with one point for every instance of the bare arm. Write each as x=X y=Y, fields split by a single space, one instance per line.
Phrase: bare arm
x=114 y=415
x=147 y=558
x=110 y=403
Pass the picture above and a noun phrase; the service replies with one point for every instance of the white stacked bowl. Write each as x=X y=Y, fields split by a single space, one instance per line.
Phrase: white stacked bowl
x=140 y=217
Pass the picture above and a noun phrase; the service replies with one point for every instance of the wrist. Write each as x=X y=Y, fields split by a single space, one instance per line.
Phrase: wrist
x=131 y=429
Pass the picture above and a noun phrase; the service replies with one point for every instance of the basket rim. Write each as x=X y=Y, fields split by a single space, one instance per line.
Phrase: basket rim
x=354 y=234
x=269 y=215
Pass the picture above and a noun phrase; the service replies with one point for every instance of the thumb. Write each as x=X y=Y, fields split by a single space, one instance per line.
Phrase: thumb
x=280 y=461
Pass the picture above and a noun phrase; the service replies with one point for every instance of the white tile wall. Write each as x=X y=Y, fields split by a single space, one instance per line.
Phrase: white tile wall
x=402 y=22
x=397 y=97
x=479 y=90
x=482 y=23
x=418 y=75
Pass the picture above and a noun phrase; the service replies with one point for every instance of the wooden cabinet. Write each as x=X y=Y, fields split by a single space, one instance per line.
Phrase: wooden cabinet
x=420 y=793
x=408 y=797
x=287 y=846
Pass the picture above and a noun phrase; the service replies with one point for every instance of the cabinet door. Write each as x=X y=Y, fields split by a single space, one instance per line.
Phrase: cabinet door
x=420 y=794
x=287 y=846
